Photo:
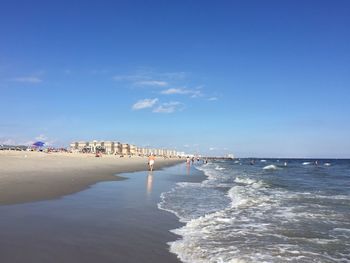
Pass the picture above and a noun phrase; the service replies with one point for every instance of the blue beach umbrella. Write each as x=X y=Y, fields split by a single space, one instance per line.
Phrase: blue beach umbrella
x=39 y=144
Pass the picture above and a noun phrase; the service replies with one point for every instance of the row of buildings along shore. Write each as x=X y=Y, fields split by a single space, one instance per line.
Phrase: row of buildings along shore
x=117 y=148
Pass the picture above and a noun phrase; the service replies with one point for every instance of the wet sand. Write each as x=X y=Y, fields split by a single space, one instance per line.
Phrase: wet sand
x=35 y=176
x=108 y=222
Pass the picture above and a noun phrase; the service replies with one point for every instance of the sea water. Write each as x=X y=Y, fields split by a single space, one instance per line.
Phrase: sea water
x=272 y=211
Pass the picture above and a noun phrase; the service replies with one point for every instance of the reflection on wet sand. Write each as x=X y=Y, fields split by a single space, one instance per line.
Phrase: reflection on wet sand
x=188 y=168
x=149 y=182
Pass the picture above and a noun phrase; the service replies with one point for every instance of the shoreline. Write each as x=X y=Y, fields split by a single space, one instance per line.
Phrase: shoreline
x=108 y=222
x=36 y=176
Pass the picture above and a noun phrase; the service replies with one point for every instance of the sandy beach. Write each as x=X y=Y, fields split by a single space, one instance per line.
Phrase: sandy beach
x=35 y=176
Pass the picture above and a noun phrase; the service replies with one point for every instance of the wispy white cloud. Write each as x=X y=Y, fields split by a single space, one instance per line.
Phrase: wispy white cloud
x=168 y=107
x=145 y=103
x=30 y=79
x=194 y=93
x=153 y=83
x=212 y=149
x=142 y=80
x=213 y=99
x=172 y=91
x=165 y=84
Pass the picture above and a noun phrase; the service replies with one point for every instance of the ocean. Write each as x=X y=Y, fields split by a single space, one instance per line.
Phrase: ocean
x=272 y=211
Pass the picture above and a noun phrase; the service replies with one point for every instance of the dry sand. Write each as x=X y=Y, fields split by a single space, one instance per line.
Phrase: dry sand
x=35 y=176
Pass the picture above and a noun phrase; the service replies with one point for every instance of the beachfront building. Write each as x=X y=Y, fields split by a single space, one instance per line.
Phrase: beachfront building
x=117 y=149
x=146 y=151
x=114 y=147
x=73 y=146
x=160 y=152
x=156 y=152
x=141 y=151
x=98 y=147
x=81 y=146
x=108 y=147
x=125 y=149
x=133 y=149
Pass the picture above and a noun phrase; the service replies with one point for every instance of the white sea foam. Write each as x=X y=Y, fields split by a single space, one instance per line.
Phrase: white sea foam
x=342 y=229
x=252 y=221
x=219 y=168
x=270 y=167
x=306 y=163
x=245 y=180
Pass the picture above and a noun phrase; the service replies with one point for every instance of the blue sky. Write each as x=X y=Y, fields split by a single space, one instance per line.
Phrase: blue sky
x=253 y=78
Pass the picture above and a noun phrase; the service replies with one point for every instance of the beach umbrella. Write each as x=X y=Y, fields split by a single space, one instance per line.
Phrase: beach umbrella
x=38 y=144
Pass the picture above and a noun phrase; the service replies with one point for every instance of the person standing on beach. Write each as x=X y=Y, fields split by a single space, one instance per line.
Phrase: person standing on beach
x=151 y=160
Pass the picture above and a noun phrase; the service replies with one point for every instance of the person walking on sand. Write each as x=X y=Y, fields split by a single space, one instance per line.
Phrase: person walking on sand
x=151 y=159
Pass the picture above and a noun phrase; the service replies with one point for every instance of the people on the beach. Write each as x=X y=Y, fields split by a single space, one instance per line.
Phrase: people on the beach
x=188 y=160
x=151 y=160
